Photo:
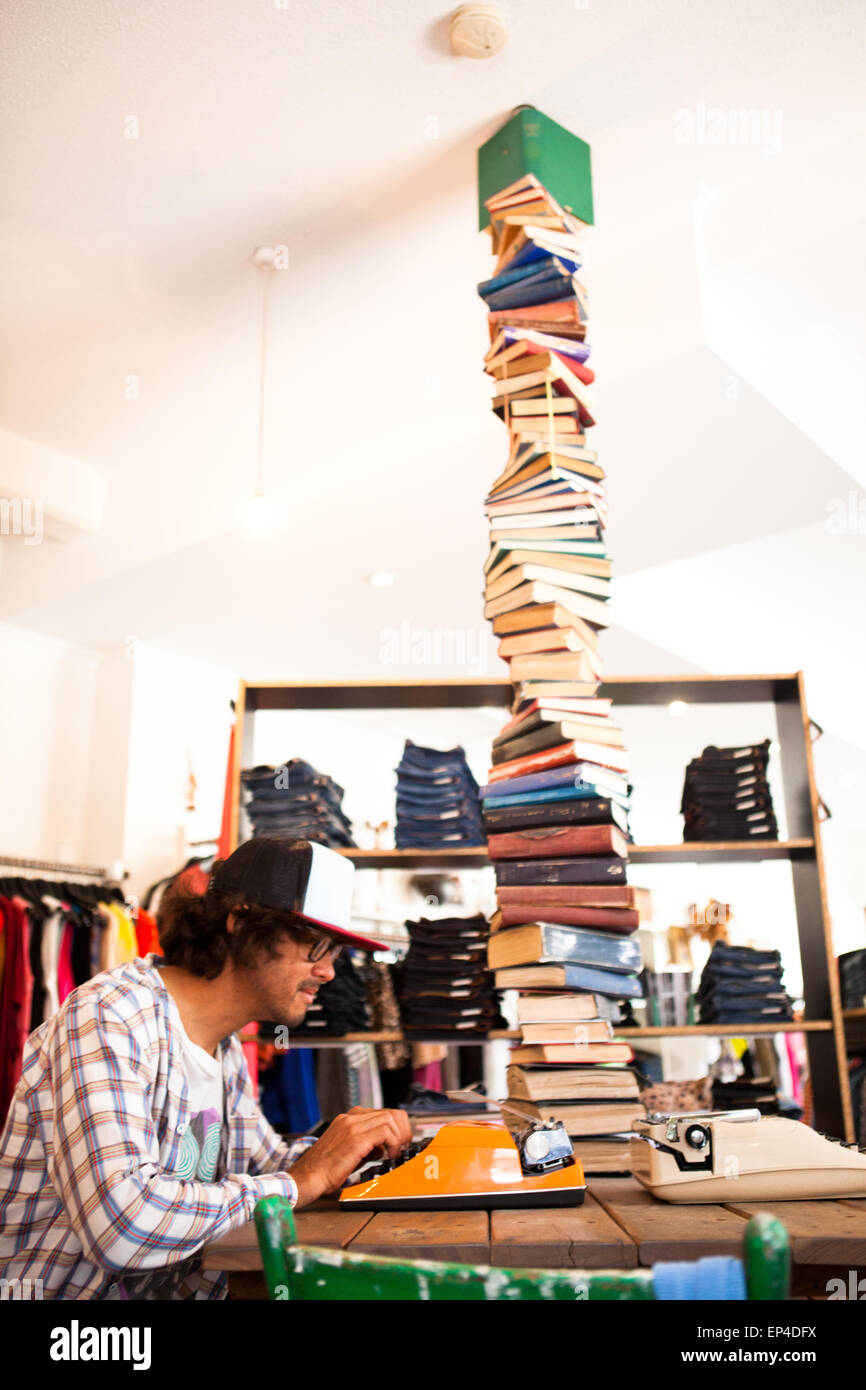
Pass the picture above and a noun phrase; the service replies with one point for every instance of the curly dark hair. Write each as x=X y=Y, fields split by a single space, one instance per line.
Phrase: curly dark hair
x=194 y=935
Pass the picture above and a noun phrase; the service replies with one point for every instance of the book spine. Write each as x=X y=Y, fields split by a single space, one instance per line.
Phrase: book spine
x=548 y=843
x=623 y=920
x=593 y=810
x=573 y=895
x=589 y=869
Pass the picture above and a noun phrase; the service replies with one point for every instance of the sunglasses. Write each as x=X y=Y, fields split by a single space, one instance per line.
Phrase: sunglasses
x=324 y=946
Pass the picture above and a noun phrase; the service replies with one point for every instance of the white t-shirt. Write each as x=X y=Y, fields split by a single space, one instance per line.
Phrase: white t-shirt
x=200 y=1145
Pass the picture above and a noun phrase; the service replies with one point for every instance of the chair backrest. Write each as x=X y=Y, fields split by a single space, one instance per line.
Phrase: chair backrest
x=295 y=1271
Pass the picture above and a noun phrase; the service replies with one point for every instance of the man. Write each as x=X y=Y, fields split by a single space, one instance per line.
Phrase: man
x=134 y=1137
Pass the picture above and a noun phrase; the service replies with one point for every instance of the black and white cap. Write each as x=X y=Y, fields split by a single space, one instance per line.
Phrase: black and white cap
x=294 y=876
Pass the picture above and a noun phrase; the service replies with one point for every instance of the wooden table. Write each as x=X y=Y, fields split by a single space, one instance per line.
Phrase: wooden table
x=619 y=1226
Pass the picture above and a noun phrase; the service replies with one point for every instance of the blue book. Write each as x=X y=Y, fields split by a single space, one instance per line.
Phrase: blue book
x=532 y=253
x=541 y=289
x=548 y=265
x=557 y=794
x=575 y=775
x=564 y=975
x=568 y=347
x=539 y=942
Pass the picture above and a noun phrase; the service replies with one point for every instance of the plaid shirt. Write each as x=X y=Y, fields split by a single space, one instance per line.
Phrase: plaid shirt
x=87 y=1196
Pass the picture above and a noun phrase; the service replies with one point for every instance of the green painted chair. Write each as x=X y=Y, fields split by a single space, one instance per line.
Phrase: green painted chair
x=295 y=1272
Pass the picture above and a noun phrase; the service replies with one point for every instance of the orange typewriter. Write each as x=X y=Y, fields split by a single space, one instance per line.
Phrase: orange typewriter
x=472 y=1165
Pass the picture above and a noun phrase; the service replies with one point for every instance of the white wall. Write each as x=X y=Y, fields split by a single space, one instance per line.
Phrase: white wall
x=96 y=749
x=46 y=711
x=180 y=722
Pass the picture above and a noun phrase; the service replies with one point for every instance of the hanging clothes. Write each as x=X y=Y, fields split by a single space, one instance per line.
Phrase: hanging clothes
x=365 y=1088
x=65 y=977
x=15 y=997
x=52 y=937
x=146 y=934
x=52 y=928
x=386 y=1015
x=288 y=1091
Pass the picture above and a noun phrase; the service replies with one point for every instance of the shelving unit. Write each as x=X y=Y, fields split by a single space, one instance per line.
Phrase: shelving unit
x=824 y=1024
x=730 y=852
x=705 y=1030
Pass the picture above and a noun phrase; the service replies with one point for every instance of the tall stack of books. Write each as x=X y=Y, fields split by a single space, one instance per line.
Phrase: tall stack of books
x=556 y=802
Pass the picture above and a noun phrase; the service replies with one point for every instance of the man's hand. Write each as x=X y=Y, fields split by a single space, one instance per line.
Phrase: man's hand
x=347 y=1141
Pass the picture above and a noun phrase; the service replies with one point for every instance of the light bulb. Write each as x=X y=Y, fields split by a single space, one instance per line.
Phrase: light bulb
x=677 y=707
x=382 y=580
x=259 y=514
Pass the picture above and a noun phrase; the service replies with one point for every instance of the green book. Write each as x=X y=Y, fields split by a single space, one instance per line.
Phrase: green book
x=531 y=143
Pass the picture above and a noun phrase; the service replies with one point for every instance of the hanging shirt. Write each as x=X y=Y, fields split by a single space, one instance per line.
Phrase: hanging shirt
x=15 y=999
x=124 y=944
x=65 y=976
x=52 y=932
x=146 y=933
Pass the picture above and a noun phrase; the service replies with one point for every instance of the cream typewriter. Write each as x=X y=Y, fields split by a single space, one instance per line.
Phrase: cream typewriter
x=740 y=1155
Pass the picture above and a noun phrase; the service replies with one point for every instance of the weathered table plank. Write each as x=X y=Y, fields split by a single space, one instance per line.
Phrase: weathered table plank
x=459 y=1236
x=664 y=1230
x=822 y=1233
x=582 y=1237
x=240 y=1248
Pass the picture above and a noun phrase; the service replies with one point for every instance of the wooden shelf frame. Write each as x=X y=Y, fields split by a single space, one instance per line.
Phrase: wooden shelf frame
x=691 y=1030
x=693 y=852
x=825 y=1038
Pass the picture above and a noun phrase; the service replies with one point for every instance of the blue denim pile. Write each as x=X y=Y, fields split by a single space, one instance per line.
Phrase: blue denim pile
x=437 y=800
x=297 y=802
x=726 y=795
x=742 y=985
x=443 y=985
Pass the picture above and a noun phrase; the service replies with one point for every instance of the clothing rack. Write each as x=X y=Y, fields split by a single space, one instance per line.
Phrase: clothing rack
x=48 y=866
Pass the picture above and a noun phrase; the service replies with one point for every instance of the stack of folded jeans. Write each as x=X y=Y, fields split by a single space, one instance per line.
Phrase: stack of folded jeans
x=746 y=1093
x=296 y=802
x=437 y=800
x=726 y=795
x=742 y=985
x=444 y=986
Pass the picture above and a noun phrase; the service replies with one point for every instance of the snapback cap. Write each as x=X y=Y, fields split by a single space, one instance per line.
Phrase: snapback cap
x=295 y=876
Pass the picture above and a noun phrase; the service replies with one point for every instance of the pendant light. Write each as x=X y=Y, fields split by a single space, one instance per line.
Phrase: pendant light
x=259 y=514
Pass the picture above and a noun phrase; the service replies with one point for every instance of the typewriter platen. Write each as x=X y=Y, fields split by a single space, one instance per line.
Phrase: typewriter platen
x=719 y=1156
x=473 y=1166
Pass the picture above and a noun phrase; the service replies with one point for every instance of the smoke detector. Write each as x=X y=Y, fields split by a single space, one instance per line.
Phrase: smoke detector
x=477 y=31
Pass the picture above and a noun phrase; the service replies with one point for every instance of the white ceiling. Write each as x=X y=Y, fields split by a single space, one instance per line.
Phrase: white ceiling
x=726 y=284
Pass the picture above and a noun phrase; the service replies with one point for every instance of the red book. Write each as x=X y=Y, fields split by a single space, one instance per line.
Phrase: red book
x=557 y=842
x=547 y=895
x=563 y=753
x=622 y=920
x=560 y=311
